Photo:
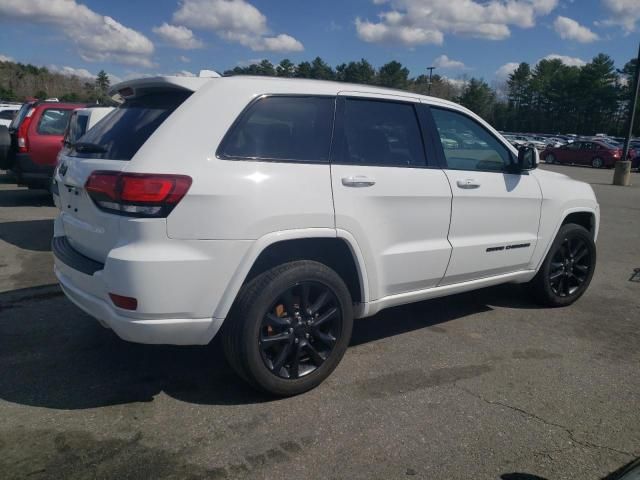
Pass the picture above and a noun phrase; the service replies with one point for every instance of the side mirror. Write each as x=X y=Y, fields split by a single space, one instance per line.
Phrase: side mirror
x=528 y=158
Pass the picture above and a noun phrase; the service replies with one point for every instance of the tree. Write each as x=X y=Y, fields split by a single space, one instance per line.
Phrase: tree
x=478 y=97
x=102 y=82
x=356 y=72
x=321 y=70
x=303 y=70
x=626 y=95
x=285 y=68
x=393 y=75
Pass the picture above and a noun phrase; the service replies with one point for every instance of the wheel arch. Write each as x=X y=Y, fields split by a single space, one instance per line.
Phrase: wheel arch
x=337 y=251
x=585 y=216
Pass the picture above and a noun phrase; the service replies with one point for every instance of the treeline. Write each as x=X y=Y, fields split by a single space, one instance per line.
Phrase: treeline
x=550 y=97
x=19 y=82
x=392 y=75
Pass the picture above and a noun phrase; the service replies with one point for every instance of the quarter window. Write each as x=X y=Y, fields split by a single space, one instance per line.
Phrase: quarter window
x=53 y=121
x=283 y=128
x=380 y=133
x=467 y=145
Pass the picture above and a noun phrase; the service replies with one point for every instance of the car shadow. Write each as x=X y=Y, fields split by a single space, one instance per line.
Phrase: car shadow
x=22 y=197
x=28 y=235
x=54 y=356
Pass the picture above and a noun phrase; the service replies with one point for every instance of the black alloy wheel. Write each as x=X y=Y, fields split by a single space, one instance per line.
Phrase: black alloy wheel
x=570 y=267
x=289 y=328
x=300 y=330
x=567 y=270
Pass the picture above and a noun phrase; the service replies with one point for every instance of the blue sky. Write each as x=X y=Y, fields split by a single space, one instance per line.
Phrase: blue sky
x=482 y=38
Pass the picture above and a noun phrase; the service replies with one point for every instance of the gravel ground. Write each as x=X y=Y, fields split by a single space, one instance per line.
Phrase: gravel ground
x=473 y=386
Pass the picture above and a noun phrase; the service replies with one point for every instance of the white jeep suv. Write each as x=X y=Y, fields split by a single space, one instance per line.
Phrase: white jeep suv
x=277 y=210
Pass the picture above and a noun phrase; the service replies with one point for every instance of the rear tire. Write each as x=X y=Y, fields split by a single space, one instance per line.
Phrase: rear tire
x=275 y=337
x=567 y=269
x=597 y=163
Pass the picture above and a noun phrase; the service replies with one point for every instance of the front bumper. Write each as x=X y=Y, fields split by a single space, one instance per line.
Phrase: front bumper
x=84 y=284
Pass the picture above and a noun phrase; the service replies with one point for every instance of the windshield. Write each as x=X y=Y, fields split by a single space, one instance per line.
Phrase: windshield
x=120 y=134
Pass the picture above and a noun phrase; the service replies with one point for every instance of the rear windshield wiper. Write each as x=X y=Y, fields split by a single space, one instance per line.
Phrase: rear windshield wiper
x=86 y=147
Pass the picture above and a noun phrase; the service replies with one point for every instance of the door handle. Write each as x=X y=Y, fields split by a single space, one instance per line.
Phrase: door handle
x=358 y=181
x=468 y=183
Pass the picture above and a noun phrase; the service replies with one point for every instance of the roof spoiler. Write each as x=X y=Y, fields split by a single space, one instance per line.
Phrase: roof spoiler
x=134 y=88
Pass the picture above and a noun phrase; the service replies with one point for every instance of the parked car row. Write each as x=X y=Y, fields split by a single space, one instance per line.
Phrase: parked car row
x=596 y=153
x=7 y=112
x=599 y=151
x=30 y=144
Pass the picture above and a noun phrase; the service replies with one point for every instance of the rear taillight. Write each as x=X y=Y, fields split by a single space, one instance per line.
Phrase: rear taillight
x=23 y=129
x=617 y=153
x=137 y=194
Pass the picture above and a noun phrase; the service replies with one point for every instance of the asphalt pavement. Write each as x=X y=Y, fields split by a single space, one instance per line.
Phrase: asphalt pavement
x=484 y=385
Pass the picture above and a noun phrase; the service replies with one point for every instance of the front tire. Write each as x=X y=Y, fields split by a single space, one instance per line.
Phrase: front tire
x=567 y=269
x=289 y=328
x=550 y=158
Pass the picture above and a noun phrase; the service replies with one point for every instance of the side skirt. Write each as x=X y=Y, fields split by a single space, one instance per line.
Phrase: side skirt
x=371 y=308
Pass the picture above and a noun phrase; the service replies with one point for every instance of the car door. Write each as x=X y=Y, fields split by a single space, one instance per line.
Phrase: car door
x=495 y=211
x=389 y=193
x=45 y=140
x=570 y=152
x=586 y=153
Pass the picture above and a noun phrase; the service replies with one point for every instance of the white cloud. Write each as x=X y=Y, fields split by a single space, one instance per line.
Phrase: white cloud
x=81 y=73
x=459 y=83
x=625 y=13
x=236 y=21
x=445 y=62
x=178 y=36
x=569 y=61
x=569 y=29
x=185 y=73
x=97 y=37
x=407 y=35
x=279 y=43
x=184 y=59
x=417 y=22
x=505 y=70
x=71 y=71
x=6 y=58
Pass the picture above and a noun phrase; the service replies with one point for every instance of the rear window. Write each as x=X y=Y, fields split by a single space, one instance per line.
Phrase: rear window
x=120 y=134
x=77 y=127
x=283 y=128
x=8 y=114
x=20 y=116
x=53 y=121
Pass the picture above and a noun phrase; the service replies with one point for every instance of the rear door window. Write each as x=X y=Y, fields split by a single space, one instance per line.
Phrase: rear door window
x=380 y=133
x=120 y=134
x=288 y=128
x=53 y=121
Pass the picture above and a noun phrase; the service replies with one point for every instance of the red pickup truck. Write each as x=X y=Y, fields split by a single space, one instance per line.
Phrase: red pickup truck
x=36 y=138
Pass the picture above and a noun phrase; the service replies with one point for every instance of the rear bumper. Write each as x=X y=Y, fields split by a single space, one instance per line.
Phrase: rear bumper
x=31 y=173
x=85 y=286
